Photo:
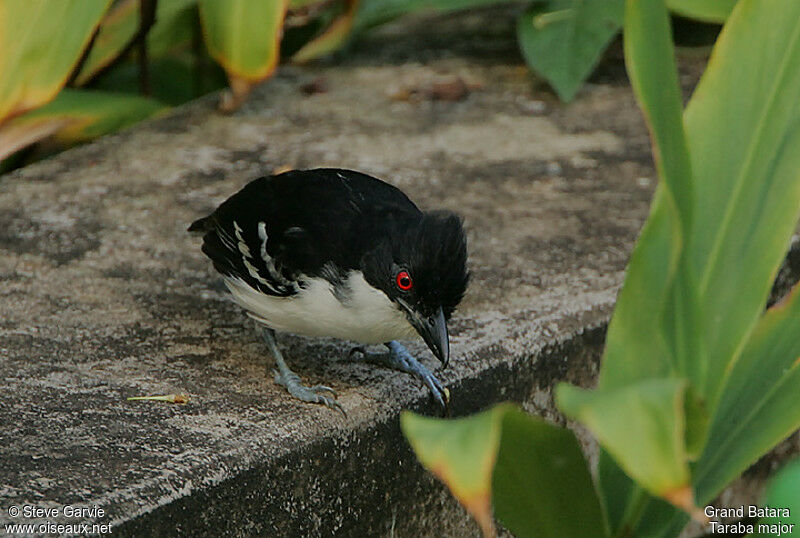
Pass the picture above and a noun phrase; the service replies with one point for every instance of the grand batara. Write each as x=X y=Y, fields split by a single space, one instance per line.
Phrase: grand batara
x=338 y=253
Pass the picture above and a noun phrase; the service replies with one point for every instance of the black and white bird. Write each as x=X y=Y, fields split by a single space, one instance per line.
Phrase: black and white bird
x=331 y=252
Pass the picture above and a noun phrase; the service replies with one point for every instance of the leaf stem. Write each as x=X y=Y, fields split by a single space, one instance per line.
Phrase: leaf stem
x=540 y=21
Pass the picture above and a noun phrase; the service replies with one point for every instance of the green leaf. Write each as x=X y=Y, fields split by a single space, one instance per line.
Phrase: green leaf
x=642 y=348
x=704 y=10
x=540 y=477
x=642 y=426
x=116 y=30
x=462 y=454
x=331 y=39
x=41 y=41
x=631 y=510
x=782 y=493
x=119 y=26
x=564 y=39
x=742 y=117
x=174 y=26
x=75 y=116
x=244 y=37
x=636 y=345
x=741 y=126
x=759 y=407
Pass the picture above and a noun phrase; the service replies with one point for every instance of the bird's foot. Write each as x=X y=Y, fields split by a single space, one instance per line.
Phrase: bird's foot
x=400 y=359
x=291 y=381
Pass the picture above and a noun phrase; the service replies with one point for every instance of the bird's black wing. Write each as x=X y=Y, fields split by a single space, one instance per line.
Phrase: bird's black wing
x=304 y=222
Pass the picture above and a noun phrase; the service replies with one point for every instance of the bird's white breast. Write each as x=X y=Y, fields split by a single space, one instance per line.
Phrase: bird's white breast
x=357 y=312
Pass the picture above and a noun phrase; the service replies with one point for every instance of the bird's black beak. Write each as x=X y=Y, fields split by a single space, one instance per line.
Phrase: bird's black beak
x=433 y=330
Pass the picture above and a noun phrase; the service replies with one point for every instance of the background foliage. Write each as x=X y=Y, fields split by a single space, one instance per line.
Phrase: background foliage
x=124 y=60
x=697 y=380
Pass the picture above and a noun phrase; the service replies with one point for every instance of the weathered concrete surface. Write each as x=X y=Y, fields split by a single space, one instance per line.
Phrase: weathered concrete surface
x=104 y=296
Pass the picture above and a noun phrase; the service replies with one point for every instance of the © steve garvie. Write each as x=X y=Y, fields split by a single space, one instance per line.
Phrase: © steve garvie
x=338 y=253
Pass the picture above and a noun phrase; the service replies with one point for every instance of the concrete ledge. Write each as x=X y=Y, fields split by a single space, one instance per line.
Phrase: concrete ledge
x=104 y=296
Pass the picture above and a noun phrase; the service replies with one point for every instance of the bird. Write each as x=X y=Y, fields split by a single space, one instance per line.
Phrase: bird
x=331 y=252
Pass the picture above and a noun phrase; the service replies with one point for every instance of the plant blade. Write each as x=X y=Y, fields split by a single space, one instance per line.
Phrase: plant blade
x=636 y=330
x=39 y=55
x=244 y=37
x=116 y=30
x=76 y=116
x=739 y=125
x=462 y=454
x=763 y=383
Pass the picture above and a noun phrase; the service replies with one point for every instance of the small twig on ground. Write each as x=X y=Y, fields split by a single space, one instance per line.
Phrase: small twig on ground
x=181 y=398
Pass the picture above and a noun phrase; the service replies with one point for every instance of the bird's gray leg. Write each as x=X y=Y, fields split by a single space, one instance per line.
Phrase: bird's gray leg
x=399 y=358
x=286 y=378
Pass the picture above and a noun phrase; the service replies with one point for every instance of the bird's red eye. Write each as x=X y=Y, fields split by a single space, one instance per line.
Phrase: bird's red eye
x=403 y=281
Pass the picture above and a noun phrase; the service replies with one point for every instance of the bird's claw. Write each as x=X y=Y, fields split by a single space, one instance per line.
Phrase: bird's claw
x=399 y=358
x=438 y=391
x=356 y=350
x=291 y=382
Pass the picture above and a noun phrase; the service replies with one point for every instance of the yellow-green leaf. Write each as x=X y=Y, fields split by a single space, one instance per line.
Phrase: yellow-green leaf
x=244 y=37
x=75 y=116
x=462 y=453
x=539 y=477
x=41 y=41
x=637 y=346
x=117 y=29
x=642 y=426
x=741 y=126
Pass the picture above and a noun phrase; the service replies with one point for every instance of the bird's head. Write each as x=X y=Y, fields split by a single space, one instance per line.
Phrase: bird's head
x=422 y=269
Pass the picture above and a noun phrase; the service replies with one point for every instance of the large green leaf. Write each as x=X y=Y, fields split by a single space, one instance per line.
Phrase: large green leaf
x=41 y=40
x=564 y=39
x=75 y=116
x=704 y=10
x=540 y=478
x=746 y=163
x=759 y=407
x=244 y=37
x=642 y=426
